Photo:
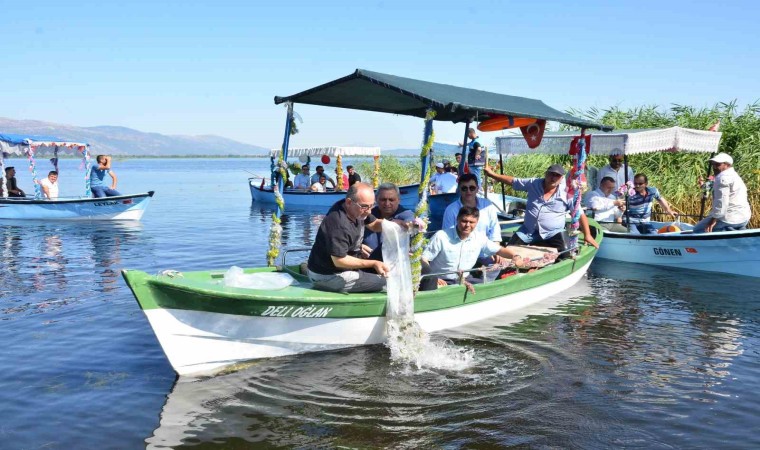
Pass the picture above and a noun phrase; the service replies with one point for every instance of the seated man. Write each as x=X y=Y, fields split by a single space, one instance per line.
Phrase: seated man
x=388 y=208
x=319 y=186
x=640 y=205
x=10 y=183
x=320 y=172
x=730 y=206
x=335 y=262
x=49 y=185
x=607 y=208
x=302 y=181
x=458 y=248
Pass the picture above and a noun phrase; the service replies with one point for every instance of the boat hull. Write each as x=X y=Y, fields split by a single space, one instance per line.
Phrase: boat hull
x=733 y=252
x=203 y=330
x=304 y=199
x=122 y=207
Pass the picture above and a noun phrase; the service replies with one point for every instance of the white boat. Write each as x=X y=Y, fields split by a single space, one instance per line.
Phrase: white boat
x=734 y=252
x=263 y=190
x=122 y=207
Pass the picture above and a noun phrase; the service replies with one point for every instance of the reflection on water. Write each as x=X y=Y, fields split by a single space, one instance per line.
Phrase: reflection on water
x=40 y=260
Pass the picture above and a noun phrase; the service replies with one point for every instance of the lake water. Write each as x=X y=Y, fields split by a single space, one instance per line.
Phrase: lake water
x=632 y=356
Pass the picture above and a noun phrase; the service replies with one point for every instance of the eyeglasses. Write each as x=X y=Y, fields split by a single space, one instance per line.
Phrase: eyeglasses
x=365 y=207
x=468 y=188
x=616 y=160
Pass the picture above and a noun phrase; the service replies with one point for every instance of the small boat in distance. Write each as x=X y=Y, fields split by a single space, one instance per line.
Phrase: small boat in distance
x=122 y=207
x=262 y=190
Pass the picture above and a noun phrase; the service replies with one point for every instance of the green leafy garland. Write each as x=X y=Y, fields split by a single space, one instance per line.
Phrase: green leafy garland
x=421 y=212
x=275 y=232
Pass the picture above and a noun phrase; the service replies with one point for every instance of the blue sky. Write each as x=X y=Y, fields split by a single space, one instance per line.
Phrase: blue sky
x=203 y=67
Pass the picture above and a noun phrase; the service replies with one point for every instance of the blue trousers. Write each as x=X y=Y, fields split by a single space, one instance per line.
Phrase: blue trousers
x=102 y=191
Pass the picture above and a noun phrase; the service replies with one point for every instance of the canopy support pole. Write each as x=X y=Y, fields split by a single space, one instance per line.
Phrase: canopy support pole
x=275 y=233
x=705 y=191
x=4 y=187
x=421 y=211
x=86 y=165
x=627 y=200
x=33 y=169
x=463 y=162
x=579 y=163
x=503 y=197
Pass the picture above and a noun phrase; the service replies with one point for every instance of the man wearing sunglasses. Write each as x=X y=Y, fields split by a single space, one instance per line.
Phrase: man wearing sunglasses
x=545 y=210
x=488 y=222
x=615 y=170
x=730 y=206
x=335 y=262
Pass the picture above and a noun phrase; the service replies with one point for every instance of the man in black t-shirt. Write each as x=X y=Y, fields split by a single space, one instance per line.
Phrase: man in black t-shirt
x=335 y=262
x=353 y=177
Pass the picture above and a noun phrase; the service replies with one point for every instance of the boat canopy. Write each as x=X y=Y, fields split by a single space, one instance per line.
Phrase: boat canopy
x=628 y=142
x=329 y=151
x=374 y=91
x=17 y=144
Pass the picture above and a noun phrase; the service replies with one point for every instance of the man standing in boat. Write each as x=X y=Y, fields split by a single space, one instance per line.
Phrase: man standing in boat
x=615 y=170
x=335 y=262
x=730 y=206
x=545 y=209
x=475 y=158
x=98 y=175
x=353 y=177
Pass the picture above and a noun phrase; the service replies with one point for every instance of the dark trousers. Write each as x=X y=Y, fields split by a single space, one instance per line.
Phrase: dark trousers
x=557 y=241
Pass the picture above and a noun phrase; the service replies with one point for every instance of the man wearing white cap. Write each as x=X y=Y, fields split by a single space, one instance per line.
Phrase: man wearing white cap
x=730 y=207
x=434 y=178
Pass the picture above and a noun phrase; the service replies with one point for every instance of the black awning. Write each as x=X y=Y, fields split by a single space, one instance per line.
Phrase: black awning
x=374 y=91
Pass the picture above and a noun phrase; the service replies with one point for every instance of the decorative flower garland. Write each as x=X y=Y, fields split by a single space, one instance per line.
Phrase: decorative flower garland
x=275 y=232
x=376 y=172
x=421 y=211
x=86 y=167
x=576 y=186
x=33 y=169
x=339 y=173
x=4 y=187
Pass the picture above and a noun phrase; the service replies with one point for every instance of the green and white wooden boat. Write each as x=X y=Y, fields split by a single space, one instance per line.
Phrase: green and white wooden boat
x=204 y=326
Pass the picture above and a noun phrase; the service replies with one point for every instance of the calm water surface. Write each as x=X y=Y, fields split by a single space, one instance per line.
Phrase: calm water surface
x=632 y=357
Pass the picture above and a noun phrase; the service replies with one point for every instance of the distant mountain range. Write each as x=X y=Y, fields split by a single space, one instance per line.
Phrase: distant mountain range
x=126 y=141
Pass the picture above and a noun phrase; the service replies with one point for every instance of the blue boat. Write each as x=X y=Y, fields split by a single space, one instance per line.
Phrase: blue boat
x=122 y=207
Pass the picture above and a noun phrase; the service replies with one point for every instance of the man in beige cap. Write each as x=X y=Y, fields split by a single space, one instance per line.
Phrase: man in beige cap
x=730 y=207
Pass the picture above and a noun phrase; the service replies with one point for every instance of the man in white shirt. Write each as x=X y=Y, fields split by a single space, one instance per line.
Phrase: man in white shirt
x=302 y=181
x=447 y=182
x=607 y=208
x=49 y=185
x=458 y=247
x=615 y=170
x=730 y=207
x=434 y=177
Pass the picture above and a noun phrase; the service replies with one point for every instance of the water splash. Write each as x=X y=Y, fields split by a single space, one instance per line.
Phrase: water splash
x=409 y=344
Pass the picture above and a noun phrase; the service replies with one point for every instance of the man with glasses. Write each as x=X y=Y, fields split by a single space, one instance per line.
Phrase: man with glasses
x=545 y=210
x=640 y=205
x=302 y=181
x=615 y=170
x=488 y=222
x=730 y=206
x=335 y=262
x=388 y=208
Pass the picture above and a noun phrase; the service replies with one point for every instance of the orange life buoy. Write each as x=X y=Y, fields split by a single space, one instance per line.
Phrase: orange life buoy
x=497 y=123
x=669 y=229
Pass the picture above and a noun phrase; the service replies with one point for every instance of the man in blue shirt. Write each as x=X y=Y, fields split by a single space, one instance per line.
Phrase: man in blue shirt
x=458 y=248
x=475 y=157
x=640 y=205
x=98 y=175
x=545 y=211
